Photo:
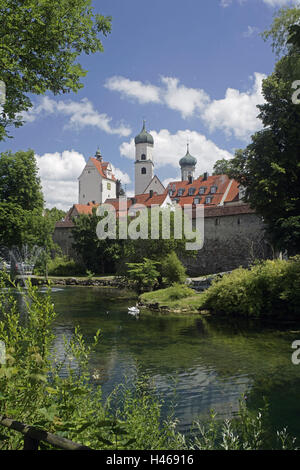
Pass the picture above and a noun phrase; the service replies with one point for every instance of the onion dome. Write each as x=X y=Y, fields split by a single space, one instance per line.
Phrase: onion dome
x=144 y=137
x=188 y=159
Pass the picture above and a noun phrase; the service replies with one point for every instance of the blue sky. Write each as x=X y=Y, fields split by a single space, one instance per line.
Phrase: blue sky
x=192 y=69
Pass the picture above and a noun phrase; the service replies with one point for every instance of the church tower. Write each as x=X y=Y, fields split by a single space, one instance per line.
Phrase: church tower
x=188 y=166
x=143 y=160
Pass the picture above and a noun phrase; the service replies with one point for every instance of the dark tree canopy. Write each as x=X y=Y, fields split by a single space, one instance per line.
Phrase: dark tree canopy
x=40 y=43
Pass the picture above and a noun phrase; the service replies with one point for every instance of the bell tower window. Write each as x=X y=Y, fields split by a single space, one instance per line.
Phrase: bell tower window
x=144 y=171
x=143 y=157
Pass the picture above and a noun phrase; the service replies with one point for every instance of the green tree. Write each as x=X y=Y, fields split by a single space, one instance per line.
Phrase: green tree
x=222 y=167
x=269 y=167
x=145 y=275
x=21 y=203
x=40 y=43
x=19 y=227
x=281 y=28
x=19 y=181
x=55 y=214
x=172 y=269
x=99 y=256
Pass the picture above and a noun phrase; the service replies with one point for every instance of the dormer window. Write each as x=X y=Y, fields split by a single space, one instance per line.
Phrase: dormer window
x=208 y=200
x=180 y=191
x=143 y=157
x=213 y=189
x=197 y=200
x=192 y=191
x=202 y=190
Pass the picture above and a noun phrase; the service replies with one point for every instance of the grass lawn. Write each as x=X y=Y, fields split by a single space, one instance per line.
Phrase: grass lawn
x=175 y=298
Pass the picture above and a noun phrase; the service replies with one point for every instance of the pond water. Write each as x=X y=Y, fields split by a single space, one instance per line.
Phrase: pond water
x=211 y=362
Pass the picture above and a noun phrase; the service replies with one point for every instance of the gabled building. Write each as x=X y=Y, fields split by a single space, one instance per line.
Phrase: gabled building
x=97 y=181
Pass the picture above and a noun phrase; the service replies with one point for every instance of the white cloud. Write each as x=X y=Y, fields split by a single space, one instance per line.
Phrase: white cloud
x=169 y=148
x=144 y=93
x=187 y=101
x=236 y=114
x=81 y=114
x=59 y=173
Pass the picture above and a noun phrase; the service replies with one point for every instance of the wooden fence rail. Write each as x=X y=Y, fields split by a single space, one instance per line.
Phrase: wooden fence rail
x=33 y=436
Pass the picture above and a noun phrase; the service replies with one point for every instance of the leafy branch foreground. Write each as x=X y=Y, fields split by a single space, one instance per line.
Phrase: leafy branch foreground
x=62 y=397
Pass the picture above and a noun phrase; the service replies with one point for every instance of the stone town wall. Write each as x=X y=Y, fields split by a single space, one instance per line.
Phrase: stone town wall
x=231 y=239
x=64 y=239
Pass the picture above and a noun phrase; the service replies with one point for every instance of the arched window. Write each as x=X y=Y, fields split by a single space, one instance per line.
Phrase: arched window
x=144 y=171
x=143 y=157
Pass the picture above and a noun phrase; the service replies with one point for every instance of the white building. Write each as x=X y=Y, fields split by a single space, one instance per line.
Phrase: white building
x=97 y=182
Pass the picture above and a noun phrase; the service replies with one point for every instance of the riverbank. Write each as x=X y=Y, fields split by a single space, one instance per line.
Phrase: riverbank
x=107 y=281
x=175 y=299
x=267 y=289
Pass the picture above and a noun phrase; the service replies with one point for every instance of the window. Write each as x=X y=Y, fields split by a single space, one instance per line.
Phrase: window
x=144 y=171
x=192 y=191
x=217 y=221
x=213 y=189
x=202 y=190
x=197 y=200
x=143 y=157
x=108 y=186
x=208 y=200
x=180 y=191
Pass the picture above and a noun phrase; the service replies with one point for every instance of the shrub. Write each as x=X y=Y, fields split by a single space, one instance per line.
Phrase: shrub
x=63 y=266
x=144 y=275
x=172 y=269
x=268 y=288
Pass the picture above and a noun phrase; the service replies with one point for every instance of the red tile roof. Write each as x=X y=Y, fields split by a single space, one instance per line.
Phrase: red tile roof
x=102 y=167
x=221 y=182
x=76 y=209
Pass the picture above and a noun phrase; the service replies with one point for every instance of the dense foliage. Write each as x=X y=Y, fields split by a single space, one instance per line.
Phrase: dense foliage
x=40 y=43
x=63 y=266
x=19 y=181
x=269 y=288
x=99 y=256
x=172 y=270
x=269 y=167
x=21 y=203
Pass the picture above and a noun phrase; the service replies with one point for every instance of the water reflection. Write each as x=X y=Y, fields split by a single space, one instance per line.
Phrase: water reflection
x=207 y=362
